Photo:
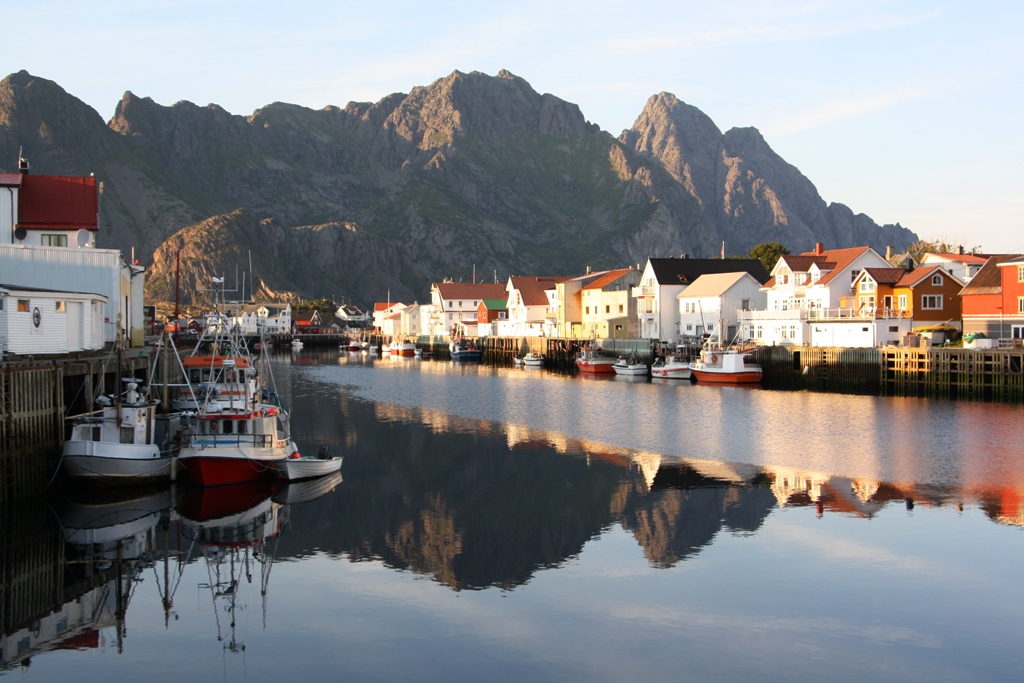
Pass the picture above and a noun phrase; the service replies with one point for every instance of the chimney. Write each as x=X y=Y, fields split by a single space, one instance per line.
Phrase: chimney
x=684 y=255
x=960 y=250
x=888 y=253
x=22 y=165
x=818 y=248
x=588 y=270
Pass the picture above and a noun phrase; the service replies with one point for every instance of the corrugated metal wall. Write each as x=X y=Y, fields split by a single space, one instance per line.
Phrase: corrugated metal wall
x=69 y=270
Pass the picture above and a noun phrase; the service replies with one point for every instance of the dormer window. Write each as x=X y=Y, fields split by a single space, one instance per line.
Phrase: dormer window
x=801 y=278
x=937 y=280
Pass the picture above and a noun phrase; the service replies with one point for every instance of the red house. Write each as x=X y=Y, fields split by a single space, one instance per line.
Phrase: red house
x=993 y=302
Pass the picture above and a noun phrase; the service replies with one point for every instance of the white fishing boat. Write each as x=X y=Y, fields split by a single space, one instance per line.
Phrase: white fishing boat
x=671 y=366
x=633 y=365
x=405 y=349
x=306 y=467
x=125 y=441
x=725 y=365
x=297 y=344
x=530 y=360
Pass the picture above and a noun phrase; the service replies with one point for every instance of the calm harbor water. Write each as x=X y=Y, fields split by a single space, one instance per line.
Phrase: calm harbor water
x=502 y=524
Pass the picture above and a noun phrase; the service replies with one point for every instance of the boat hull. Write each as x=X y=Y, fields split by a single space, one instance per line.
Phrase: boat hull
x=671 y=373
x=306 y=468
x=631 y=370
x=711 y=377
x=466 y=356
x=233 y=467
x=115 y=463
x=596 y=368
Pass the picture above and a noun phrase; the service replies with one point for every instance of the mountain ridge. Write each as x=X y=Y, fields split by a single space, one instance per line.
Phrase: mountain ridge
x=469 y=170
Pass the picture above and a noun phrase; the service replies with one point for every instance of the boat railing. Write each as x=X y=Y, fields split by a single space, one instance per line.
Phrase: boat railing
x=255 y=440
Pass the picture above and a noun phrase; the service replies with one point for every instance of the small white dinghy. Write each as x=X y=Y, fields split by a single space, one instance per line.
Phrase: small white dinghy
x=306 y=467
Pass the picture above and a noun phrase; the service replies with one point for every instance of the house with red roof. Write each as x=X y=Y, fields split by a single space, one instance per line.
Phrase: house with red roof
x=808 y=289
x=993 y=301
x=384 y=315
x=458 y=302
x=48 y=227
x=608 y=307
x=960 y=265
x=532 y=306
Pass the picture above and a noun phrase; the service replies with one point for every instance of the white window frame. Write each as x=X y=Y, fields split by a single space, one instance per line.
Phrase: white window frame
x=927 y=301
x=937 y=280
x=901 y=302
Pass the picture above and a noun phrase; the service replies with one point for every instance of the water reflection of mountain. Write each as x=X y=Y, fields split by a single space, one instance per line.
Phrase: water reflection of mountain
x=469 y=505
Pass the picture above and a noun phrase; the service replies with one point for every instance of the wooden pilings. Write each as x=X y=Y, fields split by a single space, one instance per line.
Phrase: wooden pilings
x=964 y=374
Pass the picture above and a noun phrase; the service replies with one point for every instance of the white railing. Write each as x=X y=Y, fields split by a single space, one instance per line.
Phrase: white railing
x=823 y=314
x=644 y=290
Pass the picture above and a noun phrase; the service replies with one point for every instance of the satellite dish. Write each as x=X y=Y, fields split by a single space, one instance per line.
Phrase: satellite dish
x=20 y=234
x=83 y=237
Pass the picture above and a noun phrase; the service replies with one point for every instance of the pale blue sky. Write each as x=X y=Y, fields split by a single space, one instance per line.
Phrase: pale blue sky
x=908 y=111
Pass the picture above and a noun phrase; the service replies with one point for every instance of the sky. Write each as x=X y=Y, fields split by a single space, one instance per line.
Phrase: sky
x=908 y=111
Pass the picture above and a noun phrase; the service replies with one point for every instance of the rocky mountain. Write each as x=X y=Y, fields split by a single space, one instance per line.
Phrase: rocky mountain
x=470 y=170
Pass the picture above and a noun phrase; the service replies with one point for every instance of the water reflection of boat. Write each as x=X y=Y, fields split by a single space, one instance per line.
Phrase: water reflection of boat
x=115 y=525
x=296 y=492
x=235 y=528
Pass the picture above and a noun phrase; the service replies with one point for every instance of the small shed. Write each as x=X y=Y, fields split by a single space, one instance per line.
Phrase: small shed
x=42 y=321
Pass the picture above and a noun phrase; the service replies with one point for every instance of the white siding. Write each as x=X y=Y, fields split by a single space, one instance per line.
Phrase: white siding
x=96 y=271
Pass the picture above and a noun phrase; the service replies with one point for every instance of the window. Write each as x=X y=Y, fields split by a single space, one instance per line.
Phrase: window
x=460 y=304
x=242 y=426
x=689 y=327
x=931 y=302
x=902 y=302
x=22 y=305
x=620 y=308
x=474 y=304
x=607 y=309
x=853 y=275
x=1020 y=304
x=1020 y=273
x=867 y=285
x=449 y=317
x=228 y=427
x=745 y=305
x=759 y=331
x=894 y=328
x=449 y=304
x=54 y=240
x=783 y=279
x=59 y=306
x=801 y=278
x=588 y=310
x=502 y=315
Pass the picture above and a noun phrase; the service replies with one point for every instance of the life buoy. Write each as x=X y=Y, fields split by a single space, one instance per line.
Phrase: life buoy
x=714 y=358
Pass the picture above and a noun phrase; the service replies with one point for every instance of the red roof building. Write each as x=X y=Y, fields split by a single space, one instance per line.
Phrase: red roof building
x=993 y=301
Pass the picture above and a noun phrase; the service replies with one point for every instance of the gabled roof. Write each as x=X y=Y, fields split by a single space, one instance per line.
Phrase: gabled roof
x=608 y=277
x=467 y=290
x=495 y=304
x=801 y=263
x=839 y=258
x=962 y=258
x=49 y=202
x=914 y=277
x=989 y=279
x=683 y=271
x=713 y=284
x=885 y=276
x=305 y=316
x=532 y=288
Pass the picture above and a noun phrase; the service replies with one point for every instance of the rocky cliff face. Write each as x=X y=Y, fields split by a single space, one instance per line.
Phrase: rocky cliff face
x=470 y=170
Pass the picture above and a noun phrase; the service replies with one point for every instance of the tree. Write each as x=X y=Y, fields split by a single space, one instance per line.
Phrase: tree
x=942 y=245
x=768 y=253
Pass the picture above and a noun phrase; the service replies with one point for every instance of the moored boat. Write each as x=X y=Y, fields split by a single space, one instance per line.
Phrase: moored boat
x=463 y=350
x=405 y=349
x=306 y=467
x=632 y=365
x=241 y=437
x=724 y=365
x=593 y=359
x=672 y=366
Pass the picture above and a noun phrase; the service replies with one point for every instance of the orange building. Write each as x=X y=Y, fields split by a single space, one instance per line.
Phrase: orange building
x=930 y=295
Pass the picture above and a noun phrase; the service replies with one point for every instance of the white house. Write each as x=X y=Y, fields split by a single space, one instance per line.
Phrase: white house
x=813 y=287
x=48 y=227
x=664 y=278
x=532 y=307
x=455 y=302
x=409 y=320
x=39 y=321
x=353 y=316
x=384 y=312
x=718 y=297
x=961 y=266
x=271 y=318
